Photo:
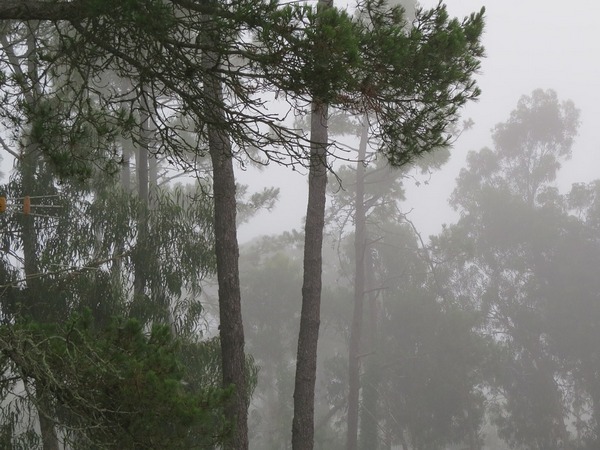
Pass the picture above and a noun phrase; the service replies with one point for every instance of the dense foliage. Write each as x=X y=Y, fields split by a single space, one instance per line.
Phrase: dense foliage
x=88 y=84
x=112 y=387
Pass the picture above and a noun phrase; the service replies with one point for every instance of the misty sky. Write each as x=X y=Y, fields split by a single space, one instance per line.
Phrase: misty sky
x=529 y=44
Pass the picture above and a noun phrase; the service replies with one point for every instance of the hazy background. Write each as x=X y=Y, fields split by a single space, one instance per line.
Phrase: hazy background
x=530 y=44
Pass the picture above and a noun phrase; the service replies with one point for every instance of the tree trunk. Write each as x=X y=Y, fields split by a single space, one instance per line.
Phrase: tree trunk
x=306 y=362
x=139 y=281
x=227 y=252
x=37 y=307
x=360 y=247
x=592 y=383
x=126 y=148
x=126 y=167
x=149 y=140
x=369 y=417
x=49 y=438
x=369 y=422
x=153 y=179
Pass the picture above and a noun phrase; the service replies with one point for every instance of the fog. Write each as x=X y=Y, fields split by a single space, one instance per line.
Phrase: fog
x=459 y=294
x=529 y=45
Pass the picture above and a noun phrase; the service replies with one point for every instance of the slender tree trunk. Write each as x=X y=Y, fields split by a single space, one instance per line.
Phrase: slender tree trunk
x=149 y=141
x=369 y=417
x=369 y=429
x=139 y=282
x=117 y=264
x=360 y=247
x=126 y=167
x=153 y=179
x=306 y=362
x=38 y=307
x=49 y=438
x=227 y=251
x=126 y=150
x=303 y=423
x=592 y=380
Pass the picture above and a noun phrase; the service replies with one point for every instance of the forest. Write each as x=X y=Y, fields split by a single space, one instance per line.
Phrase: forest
x=133 y=317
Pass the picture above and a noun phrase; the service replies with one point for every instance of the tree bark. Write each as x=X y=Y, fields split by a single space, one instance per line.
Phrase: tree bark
x=592 y=382
x=47 y=431
x=369 y=420
x=227 y=252
x=139 y=282
x=126 y=168
x=360 y=247
x=37 y=307
x=306 y=362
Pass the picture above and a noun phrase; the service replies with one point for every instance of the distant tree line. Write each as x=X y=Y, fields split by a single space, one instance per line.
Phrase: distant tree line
x=481 y=337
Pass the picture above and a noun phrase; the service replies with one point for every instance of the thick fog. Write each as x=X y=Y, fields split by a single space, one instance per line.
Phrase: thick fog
x=529 y=45
x=449 y=303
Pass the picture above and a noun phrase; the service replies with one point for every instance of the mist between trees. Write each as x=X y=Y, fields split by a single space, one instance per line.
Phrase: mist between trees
x=120 y=293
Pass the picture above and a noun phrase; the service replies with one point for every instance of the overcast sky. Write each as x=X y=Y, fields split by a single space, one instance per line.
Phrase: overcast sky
x=530 y=44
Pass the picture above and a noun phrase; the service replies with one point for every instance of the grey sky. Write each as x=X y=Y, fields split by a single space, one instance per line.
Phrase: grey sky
x=529 y=44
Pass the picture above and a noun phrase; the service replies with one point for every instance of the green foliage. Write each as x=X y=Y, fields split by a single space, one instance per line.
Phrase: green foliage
x=434 y=375
x=528 y=150
x=433 y=62
x=523 y=255
x=248 y=206
x=74 y=145
x=92 y=240
x=115 y=387
x=332 y=53
x=176 y=255
x=412 y=81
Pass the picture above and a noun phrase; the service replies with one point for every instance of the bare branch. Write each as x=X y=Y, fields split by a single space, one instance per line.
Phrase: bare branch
x=7 y=149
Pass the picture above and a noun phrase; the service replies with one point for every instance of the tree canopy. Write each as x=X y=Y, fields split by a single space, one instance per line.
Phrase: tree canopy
x=180 y=79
